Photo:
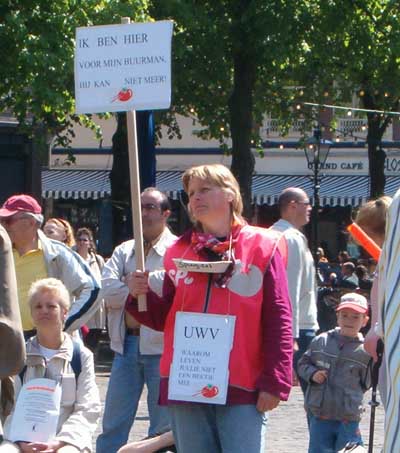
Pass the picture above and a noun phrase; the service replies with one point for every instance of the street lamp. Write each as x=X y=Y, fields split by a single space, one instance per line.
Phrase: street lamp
x=316 y=150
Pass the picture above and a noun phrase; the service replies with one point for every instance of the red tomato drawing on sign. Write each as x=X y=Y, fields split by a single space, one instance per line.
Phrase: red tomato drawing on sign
x=208 y=391
x=123 y=95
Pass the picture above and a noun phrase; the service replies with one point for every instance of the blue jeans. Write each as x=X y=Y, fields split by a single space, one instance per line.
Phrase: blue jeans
x=330 y=436
x=305 y=338
x=129 y=373
x=201 y=428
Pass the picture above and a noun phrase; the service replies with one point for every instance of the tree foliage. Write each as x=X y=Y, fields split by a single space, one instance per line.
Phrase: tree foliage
x=232 y=63
x=231 y=59
x=37 y=58
x=353 y=48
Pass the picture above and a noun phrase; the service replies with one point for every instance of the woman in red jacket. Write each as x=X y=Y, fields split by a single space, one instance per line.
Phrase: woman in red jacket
x=226 y=317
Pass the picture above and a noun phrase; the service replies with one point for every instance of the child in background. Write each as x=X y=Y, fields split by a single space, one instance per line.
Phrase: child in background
x=339 y=373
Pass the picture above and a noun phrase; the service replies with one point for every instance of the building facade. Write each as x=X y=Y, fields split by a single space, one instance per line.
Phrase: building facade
x=81 y=190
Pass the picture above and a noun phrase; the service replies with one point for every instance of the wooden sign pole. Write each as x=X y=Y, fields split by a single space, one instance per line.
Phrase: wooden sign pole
x=135 y=191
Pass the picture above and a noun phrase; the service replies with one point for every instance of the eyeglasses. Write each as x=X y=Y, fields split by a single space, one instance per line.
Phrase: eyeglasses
x=305 y=203
x=150 y=207
x=83 y=240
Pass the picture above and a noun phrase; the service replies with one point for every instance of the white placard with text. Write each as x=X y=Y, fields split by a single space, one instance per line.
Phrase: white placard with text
x=200 y=366
x=123 y=67
x=36 y=413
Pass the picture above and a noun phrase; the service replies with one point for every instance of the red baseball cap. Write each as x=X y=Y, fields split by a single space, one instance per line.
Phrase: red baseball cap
x=20 y=203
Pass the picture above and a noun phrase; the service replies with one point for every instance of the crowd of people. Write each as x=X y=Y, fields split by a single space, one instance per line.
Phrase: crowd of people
x=250 y=303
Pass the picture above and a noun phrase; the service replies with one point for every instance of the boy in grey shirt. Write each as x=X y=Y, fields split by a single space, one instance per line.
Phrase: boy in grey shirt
x=338 y=371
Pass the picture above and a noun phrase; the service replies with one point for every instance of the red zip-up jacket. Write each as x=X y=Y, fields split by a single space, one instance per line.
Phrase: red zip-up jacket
x=261 y=357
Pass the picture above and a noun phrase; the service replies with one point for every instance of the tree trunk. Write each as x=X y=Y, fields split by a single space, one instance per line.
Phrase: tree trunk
x=376 y=155
x=376 y=158
x=241 y=124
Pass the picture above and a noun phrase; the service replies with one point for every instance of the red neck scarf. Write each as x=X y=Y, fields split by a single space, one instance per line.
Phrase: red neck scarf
x=200 y=241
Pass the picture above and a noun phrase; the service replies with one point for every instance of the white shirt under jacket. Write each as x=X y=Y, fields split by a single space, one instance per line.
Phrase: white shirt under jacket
x=115 y=291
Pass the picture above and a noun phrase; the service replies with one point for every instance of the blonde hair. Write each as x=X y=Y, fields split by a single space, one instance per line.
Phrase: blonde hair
x=222 y=177
x=373 y=215
x=69 y=232
x=49 y=285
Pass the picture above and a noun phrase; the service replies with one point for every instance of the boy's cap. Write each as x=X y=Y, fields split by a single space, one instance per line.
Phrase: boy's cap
x=354 y=301
x=20 y=203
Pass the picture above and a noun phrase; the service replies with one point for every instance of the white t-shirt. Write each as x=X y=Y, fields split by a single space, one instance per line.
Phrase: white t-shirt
x=47 y=353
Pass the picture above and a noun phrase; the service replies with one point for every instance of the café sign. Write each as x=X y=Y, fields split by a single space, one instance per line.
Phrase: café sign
x=347 y=165
x=343 y=162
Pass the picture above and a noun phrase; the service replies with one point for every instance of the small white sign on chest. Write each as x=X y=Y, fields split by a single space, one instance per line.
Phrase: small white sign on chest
x=200 y=366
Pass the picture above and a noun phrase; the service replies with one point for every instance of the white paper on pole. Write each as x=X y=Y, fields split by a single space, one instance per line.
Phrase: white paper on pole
x=200 y=365
x=36 y=412
x=123 y=67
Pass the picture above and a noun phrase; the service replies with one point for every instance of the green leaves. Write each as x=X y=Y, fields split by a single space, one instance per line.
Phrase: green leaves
x=209 y=34
x=37 y=55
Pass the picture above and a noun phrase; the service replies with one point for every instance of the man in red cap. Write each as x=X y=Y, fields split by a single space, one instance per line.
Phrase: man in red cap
x=37 y=256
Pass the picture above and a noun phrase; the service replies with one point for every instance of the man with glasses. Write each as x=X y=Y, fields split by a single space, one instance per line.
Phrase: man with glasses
x=36 y=256
x=137 y=348
x=295 y=211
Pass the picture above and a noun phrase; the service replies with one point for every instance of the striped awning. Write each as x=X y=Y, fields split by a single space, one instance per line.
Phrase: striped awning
x=334 y=190
x=343 y=190
x=266 y=188
x=169 y=182
x=76 y=184
x=95 y=184
x=351 y=190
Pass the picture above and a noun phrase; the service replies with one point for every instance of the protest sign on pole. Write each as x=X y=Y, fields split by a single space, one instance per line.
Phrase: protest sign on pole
x=124 y=68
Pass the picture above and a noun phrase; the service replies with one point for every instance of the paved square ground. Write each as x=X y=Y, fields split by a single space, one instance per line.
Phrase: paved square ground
x=287 y=426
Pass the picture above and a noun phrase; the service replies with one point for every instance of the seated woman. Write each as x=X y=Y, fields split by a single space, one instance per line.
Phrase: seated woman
x=54 y=355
